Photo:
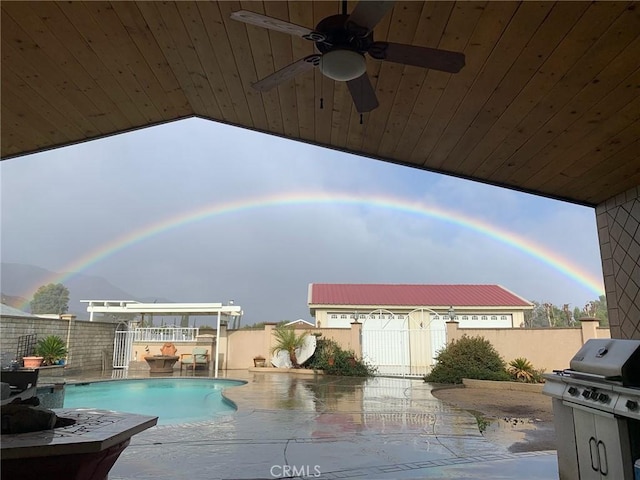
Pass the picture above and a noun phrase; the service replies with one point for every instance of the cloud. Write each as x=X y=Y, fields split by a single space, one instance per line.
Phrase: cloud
x=57 y=206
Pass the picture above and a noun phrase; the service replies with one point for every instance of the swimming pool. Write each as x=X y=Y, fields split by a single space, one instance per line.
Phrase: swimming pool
x=172 y=400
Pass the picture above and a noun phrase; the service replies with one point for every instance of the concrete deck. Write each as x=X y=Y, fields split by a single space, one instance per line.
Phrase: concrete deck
x=295 y=426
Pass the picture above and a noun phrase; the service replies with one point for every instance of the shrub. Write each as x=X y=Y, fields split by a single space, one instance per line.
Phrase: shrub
x=468 y=357
x=537 y=375
x=333 y=360
x=521 y=370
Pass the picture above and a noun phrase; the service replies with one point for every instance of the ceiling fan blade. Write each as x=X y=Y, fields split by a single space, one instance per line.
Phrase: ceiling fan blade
x=287 y=73
x=425 y=57
x=363 y=94
x=270 y=23
x=368 y=14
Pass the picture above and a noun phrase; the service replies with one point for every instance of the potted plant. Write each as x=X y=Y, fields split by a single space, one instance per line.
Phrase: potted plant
x=52 y=349
x=32 y=361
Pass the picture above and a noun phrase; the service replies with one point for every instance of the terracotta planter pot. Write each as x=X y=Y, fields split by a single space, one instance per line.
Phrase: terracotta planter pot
x=32 y=362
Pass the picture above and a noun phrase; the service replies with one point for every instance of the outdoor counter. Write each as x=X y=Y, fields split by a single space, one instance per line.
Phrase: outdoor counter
x=86 y=450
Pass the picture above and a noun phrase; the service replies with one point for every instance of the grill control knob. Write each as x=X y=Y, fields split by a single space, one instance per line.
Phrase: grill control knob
x=603 y=397
x=586 y=394
x=632 y=405
x=573 y=391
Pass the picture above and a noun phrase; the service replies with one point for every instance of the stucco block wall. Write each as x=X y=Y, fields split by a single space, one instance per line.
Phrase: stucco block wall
x=91 y=343
x=243 y=345
x=550 y=349
x=342 y=337
x=618 y=221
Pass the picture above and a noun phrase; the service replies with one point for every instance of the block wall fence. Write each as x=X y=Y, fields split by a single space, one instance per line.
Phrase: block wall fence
x=546 y=348
x=90 y=346
x=91 y=343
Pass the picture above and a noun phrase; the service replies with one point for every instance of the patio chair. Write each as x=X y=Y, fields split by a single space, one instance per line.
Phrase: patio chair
x=198 y=356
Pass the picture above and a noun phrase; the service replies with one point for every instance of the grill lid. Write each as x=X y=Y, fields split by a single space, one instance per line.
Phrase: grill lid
x=611 y=358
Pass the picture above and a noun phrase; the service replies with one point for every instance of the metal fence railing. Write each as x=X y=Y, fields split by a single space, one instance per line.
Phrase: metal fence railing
x=122 y=343
x=166 y=334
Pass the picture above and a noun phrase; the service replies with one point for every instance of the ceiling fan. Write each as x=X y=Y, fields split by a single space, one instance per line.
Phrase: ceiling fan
x=342 y=41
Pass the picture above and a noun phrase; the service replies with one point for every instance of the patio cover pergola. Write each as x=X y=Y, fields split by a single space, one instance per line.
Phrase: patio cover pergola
x=548 y=101
x=222 y=312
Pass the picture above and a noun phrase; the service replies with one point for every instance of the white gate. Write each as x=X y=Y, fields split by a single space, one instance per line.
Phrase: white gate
x=399 y=351
x=388 y=350
x=402 y=353
x=122 y=346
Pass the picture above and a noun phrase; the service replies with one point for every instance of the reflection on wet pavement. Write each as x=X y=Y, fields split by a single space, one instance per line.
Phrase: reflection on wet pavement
x=299 y=426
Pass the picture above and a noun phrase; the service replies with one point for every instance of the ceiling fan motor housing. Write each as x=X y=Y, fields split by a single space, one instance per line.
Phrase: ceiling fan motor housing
x=340 y=34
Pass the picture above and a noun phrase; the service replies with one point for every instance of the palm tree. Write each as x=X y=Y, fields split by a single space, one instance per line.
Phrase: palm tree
x=522 y=370
x=287 y=340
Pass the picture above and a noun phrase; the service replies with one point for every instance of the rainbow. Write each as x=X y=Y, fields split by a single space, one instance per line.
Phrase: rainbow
x=296 y=199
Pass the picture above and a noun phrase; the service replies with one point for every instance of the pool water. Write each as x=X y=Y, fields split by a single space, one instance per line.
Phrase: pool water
x=172 y=400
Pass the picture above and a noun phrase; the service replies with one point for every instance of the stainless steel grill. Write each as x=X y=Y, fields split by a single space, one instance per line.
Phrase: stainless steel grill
x=596 y=404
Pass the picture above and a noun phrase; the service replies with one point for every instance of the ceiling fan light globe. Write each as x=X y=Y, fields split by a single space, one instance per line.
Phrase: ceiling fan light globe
x=343 y=65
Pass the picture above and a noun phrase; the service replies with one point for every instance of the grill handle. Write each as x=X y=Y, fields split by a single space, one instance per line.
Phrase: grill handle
x=602 y=457
x=588 y=376
x=593 y=451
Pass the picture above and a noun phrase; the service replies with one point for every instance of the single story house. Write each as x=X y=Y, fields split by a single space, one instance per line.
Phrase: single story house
x=300 y=323
x=336 y=305
x=404 y=326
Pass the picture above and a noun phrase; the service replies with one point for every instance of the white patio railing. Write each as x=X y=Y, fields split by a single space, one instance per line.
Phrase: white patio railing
x=166 y=334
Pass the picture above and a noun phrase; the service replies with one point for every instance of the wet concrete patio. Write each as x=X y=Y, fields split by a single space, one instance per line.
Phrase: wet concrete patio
x=306 y=426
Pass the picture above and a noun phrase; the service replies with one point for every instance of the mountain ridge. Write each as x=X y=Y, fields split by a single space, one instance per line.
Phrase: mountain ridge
x=17 y=280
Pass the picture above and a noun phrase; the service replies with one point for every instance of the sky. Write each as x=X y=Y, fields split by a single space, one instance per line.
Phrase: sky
x=196 y=211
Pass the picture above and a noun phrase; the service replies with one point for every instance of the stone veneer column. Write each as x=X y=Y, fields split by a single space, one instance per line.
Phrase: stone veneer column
x=618 y=221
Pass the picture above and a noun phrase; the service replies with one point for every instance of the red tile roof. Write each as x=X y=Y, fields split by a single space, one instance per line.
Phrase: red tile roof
x=414 y=295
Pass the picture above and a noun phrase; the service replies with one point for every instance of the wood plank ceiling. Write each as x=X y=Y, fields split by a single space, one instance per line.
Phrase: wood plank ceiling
x=548 y=102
